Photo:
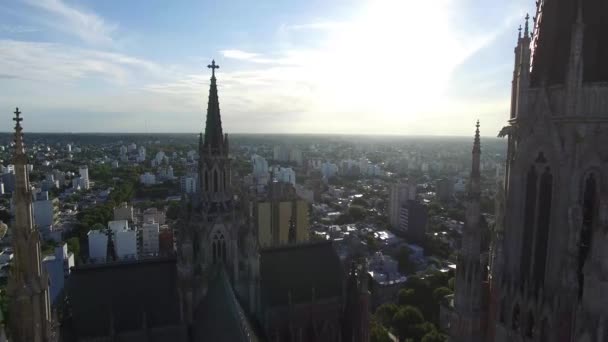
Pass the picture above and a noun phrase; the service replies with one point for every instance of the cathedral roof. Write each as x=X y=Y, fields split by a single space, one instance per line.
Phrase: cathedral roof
x=298 y=269
x=555 y=21
x=123 y=293
x=220 y=317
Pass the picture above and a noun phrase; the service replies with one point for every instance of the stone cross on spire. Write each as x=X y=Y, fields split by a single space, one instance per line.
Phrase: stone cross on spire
x=213 y=66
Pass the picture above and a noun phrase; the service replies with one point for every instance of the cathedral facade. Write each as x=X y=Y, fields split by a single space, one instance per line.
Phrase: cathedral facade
x=546 y=275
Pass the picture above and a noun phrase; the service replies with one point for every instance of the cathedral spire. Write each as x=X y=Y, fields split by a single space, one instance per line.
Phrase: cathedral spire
x=28 y=283
x=213 y=127
x=475 y=164
x=469 y=275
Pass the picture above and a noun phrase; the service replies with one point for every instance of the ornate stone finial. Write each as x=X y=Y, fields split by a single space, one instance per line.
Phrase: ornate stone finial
x=527 y=30
x=477 y=144
x=213 y=66
x=519 y=32
x=19 y=146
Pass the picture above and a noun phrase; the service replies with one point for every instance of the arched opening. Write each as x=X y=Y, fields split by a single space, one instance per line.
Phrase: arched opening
x=224 y=181
x=589 y=211
x=542 y=232
x=515 y=318
x=530 y=327
x=206 y=172
x=215 y=181
x=219 y=248
x=544 y=331
x=529 y=211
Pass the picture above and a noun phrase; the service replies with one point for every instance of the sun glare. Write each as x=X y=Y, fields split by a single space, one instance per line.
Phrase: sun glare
x=391 y=60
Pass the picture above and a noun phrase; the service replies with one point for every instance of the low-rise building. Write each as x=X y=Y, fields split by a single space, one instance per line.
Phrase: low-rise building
x=150 y=242
x=98 y=245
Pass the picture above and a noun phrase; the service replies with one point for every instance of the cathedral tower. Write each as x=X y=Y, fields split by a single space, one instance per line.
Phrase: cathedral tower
x=27 y=289
x=549 y=263
x=209 y=237
x=468 y=297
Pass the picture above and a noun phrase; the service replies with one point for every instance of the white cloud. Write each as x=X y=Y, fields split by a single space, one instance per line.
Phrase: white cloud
x=59 y=63
x=238 y=54
x=17 y=29
x=85 y=25
x=319 y=25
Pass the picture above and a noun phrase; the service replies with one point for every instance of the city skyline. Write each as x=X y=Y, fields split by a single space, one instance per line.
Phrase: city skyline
x=353 y=68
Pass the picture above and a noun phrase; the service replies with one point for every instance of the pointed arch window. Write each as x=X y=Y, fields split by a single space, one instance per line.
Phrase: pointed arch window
x=530 y=325
x=529 y=211
x=542 y=232
x=218 y=248
x=589 y=212
x=215 y=181
x=206 y=180
x=515 y=318
x=544 y=331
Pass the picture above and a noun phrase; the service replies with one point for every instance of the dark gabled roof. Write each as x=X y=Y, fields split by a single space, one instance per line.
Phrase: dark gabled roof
x=220 y=317
x=296 y=270
x=124 y=290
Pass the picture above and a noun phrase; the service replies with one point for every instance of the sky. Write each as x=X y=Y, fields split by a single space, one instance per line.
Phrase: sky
x=400 y=67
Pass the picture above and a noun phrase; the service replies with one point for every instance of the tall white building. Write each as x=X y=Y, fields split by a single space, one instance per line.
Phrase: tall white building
x=149 y=233
x=328 y=170
x=147 y=179
x=260 y=165
x=125 y=244
x=295 y=155
x=284 y=174
x=58 y=268
x=188 y=184
x=44 y=213
x=281 y=153
x=160 y=157
x=98 y=245
x=82 y=182
x=400 y=193
x=141 y=154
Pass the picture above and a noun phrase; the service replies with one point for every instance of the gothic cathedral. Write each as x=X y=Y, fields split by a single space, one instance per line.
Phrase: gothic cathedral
x=546 y=275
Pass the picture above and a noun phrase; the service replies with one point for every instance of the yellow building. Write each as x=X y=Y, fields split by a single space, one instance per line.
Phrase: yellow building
x=281 y=217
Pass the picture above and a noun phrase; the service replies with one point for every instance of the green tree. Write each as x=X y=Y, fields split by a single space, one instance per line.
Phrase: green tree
x=173 y=210
x=357 y=213
x=451 y=283
x=74 y=246
x=385 y=313
x=406 y=266
x=406 y=322
x=406 y=296
x=440 y=293
x=378 y=333
x=434 y=336
x=359 y=202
